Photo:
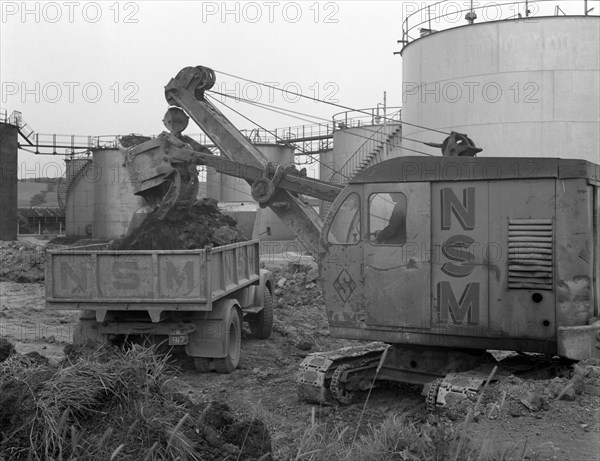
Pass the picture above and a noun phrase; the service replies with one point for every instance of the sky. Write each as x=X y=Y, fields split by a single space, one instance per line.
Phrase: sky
x=99 y=68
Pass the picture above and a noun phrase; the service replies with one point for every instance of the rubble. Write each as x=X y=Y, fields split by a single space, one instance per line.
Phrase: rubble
x=22 y=262
x=517 y=397
x=533 y=401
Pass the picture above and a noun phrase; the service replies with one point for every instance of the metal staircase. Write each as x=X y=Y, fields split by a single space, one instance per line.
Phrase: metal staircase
x=371 y=152
x=65 y=188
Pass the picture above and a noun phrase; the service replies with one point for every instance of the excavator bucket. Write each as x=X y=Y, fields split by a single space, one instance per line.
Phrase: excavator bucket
x=162 y=181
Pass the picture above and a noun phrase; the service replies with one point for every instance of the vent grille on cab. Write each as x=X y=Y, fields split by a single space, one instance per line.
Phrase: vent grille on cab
x=530 y=254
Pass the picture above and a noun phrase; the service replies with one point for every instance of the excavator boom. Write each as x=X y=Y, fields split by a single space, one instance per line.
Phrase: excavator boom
x=277 y=187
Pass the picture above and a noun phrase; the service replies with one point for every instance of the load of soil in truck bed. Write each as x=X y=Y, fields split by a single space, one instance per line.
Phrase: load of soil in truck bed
x=183 y=228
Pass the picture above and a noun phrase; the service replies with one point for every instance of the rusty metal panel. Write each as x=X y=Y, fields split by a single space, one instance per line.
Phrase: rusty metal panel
x=520 y=312
x=420 y=169
x=73 y=276
x=342 y=268
x=182 y=276
x=398 y=275
x=127 y=276
x=570 y=169
x=181 y=279
x=574 y=247
x=460 y=268
x=231 y=267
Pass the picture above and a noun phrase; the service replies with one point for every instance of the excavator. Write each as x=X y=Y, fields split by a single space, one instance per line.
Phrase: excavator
x=488 y=253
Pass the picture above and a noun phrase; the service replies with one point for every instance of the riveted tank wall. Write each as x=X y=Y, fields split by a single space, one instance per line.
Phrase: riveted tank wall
x=114 y=201
x=268 y=226
x=8 y=181
x=527 y=87
x=79 y=203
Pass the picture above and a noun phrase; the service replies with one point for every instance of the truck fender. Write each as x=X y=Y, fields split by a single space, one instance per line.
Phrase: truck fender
x=211 y=338
x=266 y=283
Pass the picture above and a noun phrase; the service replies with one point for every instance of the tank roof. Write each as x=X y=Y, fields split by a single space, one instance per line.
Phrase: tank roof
x=425 y=169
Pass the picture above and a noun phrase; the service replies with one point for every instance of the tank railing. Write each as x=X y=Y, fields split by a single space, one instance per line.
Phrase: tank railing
x=366 y=117
x=369 y=152
x=77 y=177
x=309 y=135
x=13 y=119
x=446 y=14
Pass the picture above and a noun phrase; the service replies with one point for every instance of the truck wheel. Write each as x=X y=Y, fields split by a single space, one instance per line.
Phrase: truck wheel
x=202 y=364
x=261 y=324
x=234 y=345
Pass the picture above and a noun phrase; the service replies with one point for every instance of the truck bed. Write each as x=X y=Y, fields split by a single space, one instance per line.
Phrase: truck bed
x=152 y=280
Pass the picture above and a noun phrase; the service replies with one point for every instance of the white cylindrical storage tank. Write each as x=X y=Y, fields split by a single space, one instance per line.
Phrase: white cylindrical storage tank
x=226 y=188
x=114 y=201
x=516 y=87
x=268 y=226
x=79 y=202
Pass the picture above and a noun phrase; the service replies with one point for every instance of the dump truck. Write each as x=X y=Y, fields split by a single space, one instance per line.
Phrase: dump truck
x=195 y=299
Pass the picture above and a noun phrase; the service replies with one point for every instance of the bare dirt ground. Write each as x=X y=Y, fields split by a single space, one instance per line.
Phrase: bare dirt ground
x=264 y=384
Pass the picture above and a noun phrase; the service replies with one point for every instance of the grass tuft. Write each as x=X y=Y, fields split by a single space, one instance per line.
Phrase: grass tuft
x=107 y=405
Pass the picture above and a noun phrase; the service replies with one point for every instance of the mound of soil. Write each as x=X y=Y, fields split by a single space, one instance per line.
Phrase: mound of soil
x=183 y=228
x=21 y=262
x=6 y=349
x=113 y=401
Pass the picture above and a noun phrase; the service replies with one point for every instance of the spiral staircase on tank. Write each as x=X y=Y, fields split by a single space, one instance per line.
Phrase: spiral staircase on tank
x=374 y=150
x=66 y=187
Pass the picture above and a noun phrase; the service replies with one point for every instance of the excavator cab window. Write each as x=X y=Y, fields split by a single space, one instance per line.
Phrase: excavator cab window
x=387 y=218
x=345 y=227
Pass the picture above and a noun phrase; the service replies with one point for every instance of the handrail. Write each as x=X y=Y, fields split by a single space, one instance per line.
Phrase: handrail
x=446 y=14
x=368 y=116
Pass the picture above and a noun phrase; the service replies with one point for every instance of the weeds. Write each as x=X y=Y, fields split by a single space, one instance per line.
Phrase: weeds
x=115 y=406
x=401 y=438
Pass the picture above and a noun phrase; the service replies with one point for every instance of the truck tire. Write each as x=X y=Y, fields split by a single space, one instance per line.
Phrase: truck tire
x=261 y=324
x=202 y=364
x=234 y=344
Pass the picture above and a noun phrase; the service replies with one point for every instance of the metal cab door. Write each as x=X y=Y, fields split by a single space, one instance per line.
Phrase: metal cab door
x=397 y=255
x=342 y=262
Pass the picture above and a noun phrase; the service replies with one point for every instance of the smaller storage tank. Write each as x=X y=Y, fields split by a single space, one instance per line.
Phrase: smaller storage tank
x=114 y=201
x=225 y=188
x=268 y=226
x=79 y=203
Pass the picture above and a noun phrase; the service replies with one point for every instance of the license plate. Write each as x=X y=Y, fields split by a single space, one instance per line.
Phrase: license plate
x=177 y=340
